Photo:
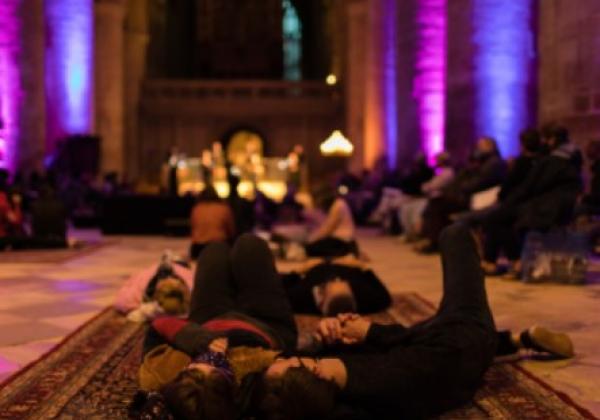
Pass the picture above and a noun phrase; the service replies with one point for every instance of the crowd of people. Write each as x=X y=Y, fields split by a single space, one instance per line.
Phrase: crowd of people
x=539 y=190
x=222 y=339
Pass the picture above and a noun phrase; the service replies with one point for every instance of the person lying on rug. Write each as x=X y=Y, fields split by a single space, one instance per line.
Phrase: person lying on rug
x=390 y=371
x=329 y=287
x=240 y=319
x=162 y=288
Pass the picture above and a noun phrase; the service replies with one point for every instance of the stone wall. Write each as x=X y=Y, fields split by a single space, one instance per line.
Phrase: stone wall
x=569 y=46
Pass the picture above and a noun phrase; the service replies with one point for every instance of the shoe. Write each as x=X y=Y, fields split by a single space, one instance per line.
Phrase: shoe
x=543 y=340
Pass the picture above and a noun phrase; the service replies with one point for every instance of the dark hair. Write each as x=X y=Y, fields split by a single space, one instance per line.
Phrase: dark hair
x=530 y=140
x=561 y=134
x=547 y=130
x=298 y=394
x=193 y=395
x=340 y=304
x=208 y=194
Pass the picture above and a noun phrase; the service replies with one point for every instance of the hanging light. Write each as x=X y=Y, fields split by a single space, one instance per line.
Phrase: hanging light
x=336 y=145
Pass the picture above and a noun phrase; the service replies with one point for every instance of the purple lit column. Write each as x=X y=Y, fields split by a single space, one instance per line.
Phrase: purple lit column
x=10 y=81
x=69 y=68
x=504 y=41
x=430 y=74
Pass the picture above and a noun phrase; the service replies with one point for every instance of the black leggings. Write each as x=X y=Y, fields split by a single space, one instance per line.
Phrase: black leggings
x=242 y=278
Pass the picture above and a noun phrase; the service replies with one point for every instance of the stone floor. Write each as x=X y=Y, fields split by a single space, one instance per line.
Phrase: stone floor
x=42 y=303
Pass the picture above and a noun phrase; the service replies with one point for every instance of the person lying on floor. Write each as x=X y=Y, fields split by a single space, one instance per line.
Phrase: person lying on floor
x=162 y=288
x=390 y=371
x=240 y=318
x=329 y=287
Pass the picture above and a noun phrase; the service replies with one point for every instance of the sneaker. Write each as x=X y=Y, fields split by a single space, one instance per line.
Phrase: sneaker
x=543 y=340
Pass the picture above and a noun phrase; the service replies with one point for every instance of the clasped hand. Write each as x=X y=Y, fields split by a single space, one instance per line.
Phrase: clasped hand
x=345 y=328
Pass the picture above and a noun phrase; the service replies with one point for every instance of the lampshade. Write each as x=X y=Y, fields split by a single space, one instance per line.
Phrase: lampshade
x=336 y=145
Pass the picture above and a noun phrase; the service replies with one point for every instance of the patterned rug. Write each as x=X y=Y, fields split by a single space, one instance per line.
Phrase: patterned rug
x=49 y=256
x=77 y=381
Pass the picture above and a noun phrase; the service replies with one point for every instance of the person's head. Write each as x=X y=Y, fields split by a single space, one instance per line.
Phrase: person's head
x=200 y=392
x=442 y=160
x=295 y=388
x=530 y=141
x=208 y=194
x=338 y=297
x=486 y=146
x=173 y=295
x=553 y=136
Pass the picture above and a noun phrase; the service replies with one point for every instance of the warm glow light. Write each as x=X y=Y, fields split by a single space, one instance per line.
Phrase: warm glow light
x=336 y=145
x=331 y=79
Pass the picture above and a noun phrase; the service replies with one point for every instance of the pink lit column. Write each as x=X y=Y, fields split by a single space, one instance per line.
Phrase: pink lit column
x=381 y=96
x=430 y=74
x=11 y=89
x=21 y=84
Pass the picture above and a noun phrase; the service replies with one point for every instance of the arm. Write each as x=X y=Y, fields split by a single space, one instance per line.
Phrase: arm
x=184 y=335
x=439 y=181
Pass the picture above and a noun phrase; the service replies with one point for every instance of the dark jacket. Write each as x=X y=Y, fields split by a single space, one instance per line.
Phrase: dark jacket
x=518 y=173
x=490 y=172
x=370 y=294
x=548 y=195
x=417 y=372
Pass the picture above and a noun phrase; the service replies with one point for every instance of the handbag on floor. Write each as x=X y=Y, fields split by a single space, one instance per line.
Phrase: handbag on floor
x=559 y=256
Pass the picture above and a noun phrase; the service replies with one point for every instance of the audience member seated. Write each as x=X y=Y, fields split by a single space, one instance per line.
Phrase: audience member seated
x=156 y=290
x=335 y=236
x=590 y=202
x=486 y=170
x=211 y=221
x=545 y=199
x=396 y=194
x=518 y=170
x=339 y=286
x=411 y=213
x=369 y=370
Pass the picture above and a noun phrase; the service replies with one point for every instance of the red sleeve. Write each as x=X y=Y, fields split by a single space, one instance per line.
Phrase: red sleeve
x=169 y=326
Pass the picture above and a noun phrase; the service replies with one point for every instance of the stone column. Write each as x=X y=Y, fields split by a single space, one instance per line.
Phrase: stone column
x=32 y=143
x=355 y=79
x=569 y=48
x=381 y=113
x=136 y=44
x=109 y=74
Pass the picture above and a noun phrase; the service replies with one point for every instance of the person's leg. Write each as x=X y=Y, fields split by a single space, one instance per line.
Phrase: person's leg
x=213 y=293
x=260 y=292
x=464 y=287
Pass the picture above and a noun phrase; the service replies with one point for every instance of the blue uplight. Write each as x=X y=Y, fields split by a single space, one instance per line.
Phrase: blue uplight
x=504 y=40
x=390 y=76
x=69 y=65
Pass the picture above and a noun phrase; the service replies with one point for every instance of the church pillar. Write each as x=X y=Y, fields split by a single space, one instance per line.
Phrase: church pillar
x=22 y=126
x=136 y=43
x=355 y=79
x=109 y=72
x=68 y=68
x=381 y=96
